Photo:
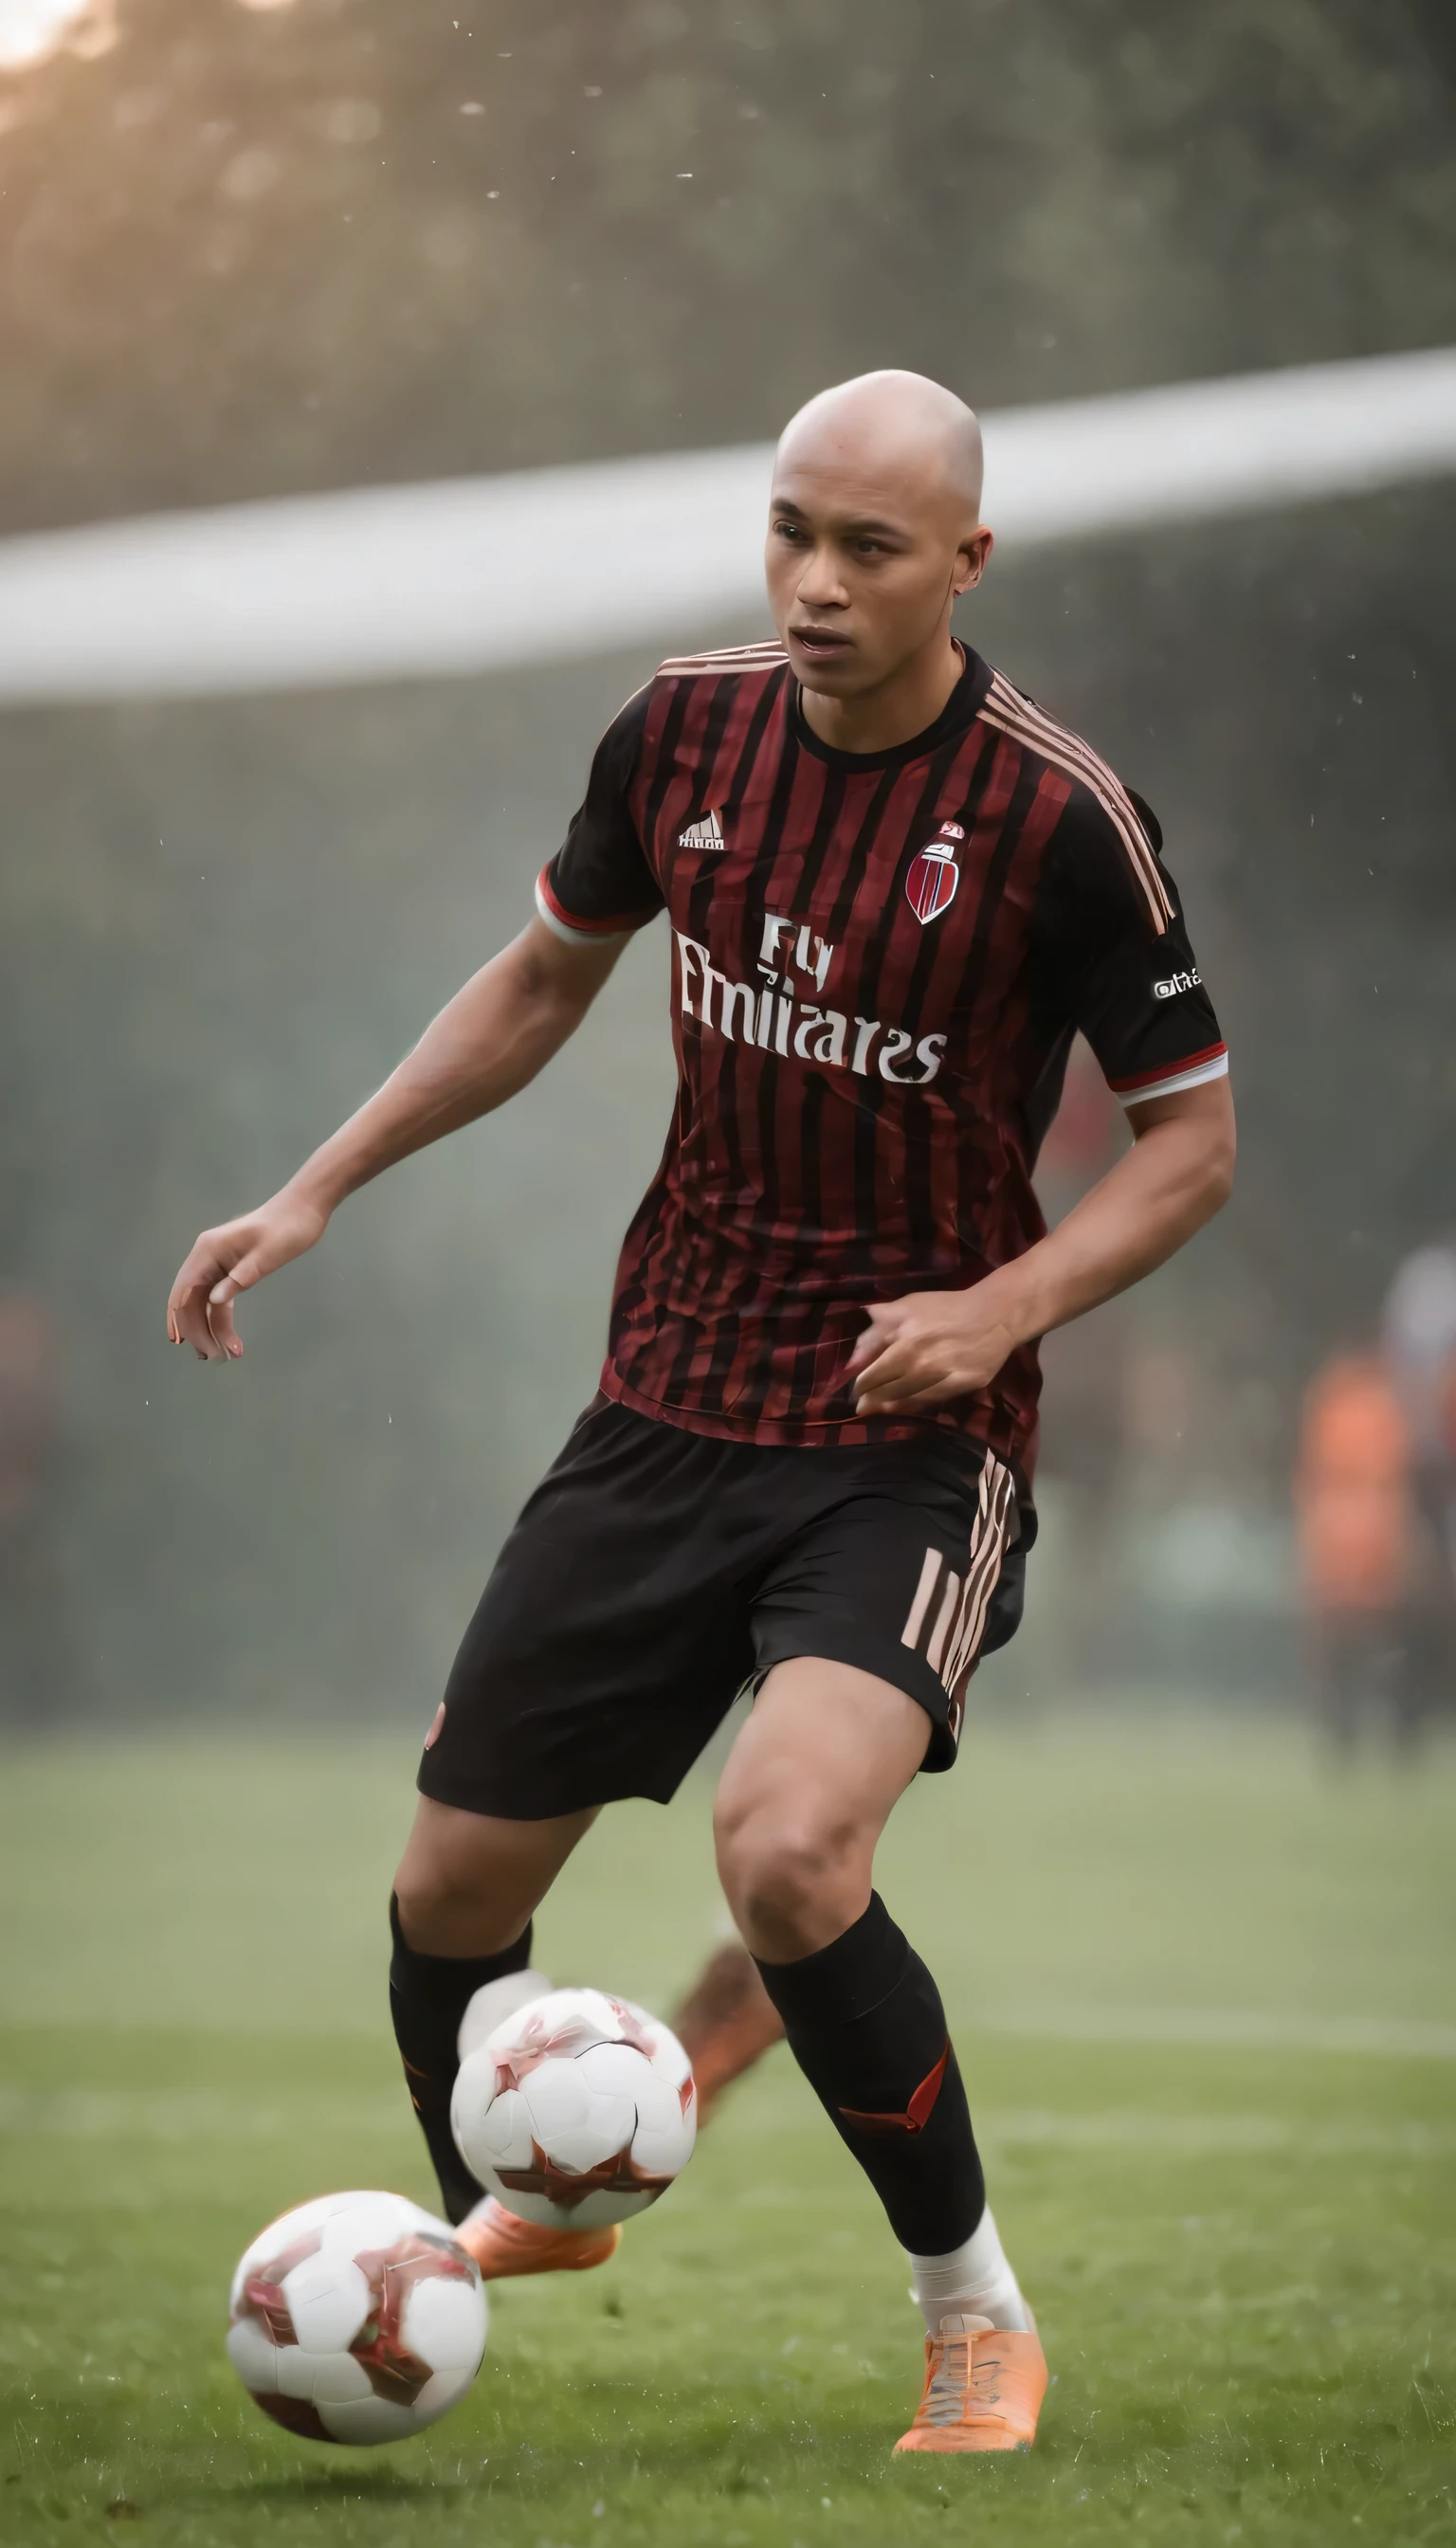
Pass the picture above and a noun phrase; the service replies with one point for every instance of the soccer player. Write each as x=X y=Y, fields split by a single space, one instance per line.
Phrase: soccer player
x=896 y=888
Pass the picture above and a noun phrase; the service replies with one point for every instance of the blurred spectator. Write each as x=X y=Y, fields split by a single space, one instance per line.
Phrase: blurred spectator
x=30 y=1624
x=1420 y=1328
x=25 y=1404
x=1421 y=1344
x=1360 y=1547
x=1419 y=1334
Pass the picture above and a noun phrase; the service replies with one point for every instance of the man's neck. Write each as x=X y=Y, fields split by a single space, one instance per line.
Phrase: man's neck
x=880 y=720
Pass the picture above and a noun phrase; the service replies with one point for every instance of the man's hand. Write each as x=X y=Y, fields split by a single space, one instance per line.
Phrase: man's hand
x=917 y=1352
x=230 y=1260
x=928 y=1347
x=489 y=1041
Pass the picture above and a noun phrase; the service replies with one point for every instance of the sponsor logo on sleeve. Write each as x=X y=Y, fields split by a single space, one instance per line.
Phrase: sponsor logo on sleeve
x=1172 y=983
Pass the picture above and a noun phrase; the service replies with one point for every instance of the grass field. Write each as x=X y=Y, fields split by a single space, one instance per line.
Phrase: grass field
x=1204 y=1995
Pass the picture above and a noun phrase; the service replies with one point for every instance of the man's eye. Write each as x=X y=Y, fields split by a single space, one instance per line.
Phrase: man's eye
x=788 y=531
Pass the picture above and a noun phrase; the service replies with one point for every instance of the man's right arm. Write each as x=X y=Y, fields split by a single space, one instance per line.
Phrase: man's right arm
x=495 y=1036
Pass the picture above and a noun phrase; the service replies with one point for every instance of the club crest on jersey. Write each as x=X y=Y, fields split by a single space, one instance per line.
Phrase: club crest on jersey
x=930 y=886
x=706 y=834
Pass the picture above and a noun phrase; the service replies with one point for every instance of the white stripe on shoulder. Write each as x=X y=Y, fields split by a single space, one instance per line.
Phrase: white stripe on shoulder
x=1006 y=709
x=728 y=659
x=1206 y=1070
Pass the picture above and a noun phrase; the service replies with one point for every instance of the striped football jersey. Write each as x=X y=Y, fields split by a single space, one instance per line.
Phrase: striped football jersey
x=880 y=962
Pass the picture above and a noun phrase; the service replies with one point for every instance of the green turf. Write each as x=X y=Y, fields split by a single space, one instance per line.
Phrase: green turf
x=1207 y=2000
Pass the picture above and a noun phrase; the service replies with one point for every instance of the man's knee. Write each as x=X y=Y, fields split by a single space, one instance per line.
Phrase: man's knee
x=792 y=1882
x=449 y=1901
x=438 y=1910
x=468 y=1884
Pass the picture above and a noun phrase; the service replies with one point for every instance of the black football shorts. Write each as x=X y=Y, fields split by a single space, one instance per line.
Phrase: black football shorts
x=655 y=1572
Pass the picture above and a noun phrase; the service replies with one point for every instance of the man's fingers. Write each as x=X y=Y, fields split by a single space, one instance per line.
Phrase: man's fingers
x=909 y=1399
x=186 y=1319
x=190 y=1319
x=219 y=1308
x=197 y=1274
x=872 y=1343
x=891 y=1373
x=219 y=1314
x=911 y=1372
x=873 y=1374
x=875 y=1402
x=244 y=1274
x=879 y=1334
x=200 y=1310
x=916 y=1353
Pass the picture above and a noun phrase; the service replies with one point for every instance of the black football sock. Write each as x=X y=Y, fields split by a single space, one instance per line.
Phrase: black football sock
x=865 y=2024
x=428 y=1998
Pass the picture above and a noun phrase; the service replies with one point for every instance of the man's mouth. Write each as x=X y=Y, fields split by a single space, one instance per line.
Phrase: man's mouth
x=820 y=644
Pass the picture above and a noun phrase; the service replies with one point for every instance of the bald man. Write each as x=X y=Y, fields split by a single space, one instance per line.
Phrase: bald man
x=895 y=890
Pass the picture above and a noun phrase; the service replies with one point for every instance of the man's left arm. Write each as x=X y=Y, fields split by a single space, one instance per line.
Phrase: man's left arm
x=936 y=1345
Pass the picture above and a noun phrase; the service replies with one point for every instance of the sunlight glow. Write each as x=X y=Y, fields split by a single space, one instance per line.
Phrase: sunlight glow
x=30 y=30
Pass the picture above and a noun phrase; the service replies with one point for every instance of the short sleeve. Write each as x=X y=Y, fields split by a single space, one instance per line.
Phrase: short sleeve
x=599 y=883
x=1116 y=951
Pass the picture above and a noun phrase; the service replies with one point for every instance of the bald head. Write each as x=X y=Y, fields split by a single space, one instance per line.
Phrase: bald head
x=893 y=427
x=874 y=530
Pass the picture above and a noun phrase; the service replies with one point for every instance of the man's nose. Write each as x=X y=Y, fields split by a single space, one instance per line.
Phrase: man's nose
x=821 y=587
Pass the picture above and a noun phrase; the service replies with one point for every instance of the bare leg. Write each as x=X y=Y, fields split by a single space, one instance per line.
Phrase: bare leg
x=726 y=2020
x=464 y=1895
x=803 y=1800
x=807 y=1790
x=468 y=1884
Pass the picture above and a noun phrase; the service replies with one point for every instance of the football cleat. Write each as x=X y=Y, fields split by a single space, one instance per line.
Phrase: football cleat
x=983 y=2388
x=504 y=2245
x=726 y=2024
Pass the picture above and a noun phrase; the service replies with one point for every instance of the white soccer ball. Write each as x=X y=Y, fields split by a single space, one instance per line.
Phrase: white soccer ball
x=577 y=2111
x=356 y=2318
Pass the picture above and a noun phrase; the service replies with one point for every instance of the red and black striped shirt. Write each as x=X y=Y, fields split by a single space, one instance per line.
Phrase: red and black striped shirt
x=880 y=962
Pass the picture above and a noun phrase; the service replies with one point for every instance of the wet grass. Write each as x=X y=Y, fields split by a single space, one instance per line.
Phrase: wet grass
x=1240 y=2248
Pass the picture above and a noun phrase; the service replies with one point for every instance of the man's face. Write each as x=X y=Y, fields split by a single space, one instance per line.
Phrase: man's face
x=863 y=563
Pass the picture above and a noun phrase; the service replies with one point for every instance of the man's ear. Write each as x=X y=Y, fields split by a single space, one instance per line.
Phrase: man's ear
x=970 y=562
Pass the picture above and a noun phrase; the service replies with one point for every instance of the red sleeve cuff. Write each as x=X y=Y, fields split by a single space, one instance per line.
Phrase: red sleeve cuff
x=1170 y=1078
x=566 y=924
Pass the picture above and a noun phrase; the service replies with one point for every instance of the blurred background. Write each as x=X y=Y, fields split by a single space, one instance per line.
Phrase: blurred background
x=257 y=251
x=1205 y=1987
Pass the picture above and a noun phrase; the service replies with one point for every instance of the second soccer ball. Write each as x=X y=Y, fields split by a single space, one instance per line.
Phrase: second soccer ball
x=356 y=2318
x=577 y=2111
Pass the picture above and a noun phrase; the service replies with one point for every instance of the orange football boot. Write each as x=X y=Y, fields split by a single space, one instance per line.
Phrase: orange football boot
x=983 y=2388
x=504 y=2245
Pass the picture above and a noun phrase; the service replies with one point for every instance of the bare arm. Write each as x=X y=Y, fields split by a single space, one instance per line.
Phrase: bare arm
x=935 y=1345
x=494 y=1037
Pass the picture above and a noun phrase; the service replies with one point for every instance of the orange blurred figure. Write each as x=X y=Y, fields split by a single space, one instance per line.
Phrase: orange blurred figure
x=1358 y=1533
x=1353 y=1490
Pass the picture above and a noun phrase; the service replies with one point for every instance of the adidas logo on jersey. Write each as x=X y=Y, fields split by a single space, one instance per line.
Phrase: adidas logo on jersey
x=706 y=834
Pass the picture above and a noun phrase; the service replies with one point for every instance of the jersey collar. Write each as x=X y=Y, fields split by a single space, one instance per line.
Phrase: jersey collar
x=961 y=708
